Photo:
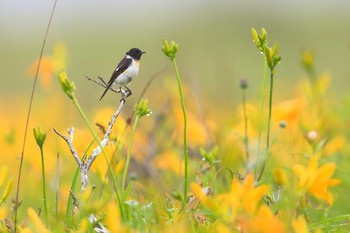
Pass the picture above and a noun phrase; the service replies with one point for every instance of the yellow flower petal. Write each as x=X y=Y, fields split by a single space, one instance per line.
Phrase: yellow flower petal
x=33 y=216
x=299 y=225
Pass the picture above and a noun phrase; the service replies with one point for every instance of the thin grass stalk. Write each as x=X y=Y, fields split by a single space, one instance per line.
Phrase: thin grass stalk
x=129 y=153
x=246 y=141
x=263 y=89
x=28 y=117
x=44 y=183
x=185 y=131
x=267 y=152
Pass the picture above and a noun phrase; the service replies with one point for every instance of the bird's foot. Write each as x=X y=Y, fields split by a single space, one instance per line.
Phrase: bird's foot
x=125 y=93
x=128 y=91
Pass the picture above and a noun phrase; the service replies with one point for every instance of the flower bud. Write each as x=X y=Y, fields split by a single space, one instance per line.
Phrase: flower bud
x=68 y=86
x=263 y=34
x=142 y=109
x=39 y=136
x=283 y=124
x=244 y=83
x=255 y=37
x=170 y=50
x=6 y=192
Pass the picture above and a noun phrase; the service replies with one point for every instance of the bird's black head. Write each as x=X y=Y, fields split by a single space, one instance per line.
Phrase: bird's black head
x=135 y=53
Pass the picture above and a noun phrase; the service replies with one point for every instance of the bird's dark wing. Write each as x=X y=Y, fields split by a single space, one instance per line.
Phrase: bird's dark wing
x=122 y=66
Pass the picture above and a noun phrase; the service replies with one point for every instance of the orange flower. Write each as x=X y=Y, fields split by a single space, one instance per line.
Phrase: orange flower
x=264 y=221
x=242 y=198
x=316 y=180
x=288 y=111
x=334 y=145
x=240 y=209
x=197 y=131
x=171 y=161
x=279 y=176
x=299 y=225
x=36 y=221
x=50 y=65
x=208 y=202
x=113 y=219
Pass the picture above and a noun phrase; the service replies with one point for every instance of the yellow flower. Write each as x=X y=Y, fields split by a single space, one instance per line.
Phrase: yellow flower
x=316 y=180
x=264 y=221
x=221 y=228
x=208 y=202
x=197 y=131
x=299 y=225
x=242 y=198
x=113 y=219
x=3 y=213
x=3 y=174
x=308 y=59
x=334 y=145
x=34 y=218
x=279 y=176
x=323 y=83
x=170 y=161
x=289 y=111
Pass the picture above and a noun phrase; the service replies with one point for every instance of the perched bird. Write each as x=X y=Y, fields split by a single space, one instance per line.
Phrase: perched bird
x=126 y=70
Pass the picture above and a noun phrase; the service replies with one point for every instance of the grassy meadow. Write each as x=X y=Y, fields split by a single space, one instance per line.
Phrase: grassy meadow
x=237 y=122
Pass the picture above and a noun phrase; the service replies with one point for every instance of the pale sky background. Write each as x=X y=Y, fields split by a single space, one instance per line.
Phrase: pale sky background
x=97 y=34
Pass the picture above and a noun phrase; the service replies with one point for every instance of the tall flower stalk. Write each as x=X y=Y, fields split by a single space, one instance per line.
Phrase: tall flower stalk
x=271 y=60
x=69 y=88
x=40 y=137
x=170 y=51
x=141 y=109
x=244 y=85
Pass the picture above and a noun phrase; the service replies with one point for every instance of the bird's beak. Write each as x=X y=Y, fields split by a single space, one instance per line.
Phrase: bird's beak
x=143 y=52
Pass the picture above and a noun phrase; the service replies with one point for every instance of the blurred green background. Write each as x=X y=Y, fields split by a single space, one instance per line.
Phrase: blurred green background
x=216 y=44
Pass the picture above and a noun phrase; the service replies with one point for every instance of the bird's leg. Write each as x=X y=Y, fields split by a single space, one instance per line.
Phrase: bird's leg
x=125 y=94
x=129 y=93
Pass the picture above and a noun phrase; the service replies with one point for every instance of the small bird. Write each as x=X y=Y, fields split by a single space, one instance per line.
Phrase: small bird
x=126 y=70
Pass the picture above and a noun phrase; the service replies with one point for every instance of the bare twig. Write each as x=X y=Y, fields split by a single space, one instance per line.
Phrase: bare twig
x=194 y=201
x=70 y=144
x=105 y=139
x=98 y=227
x=129 y=119
x=102 y=80
x=85 y=166
x=102 y=83
x=75 y=202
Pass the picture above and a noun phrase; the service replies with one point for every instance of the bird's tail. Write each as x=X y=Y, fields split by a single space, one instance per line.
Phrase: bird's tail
x=107 y=88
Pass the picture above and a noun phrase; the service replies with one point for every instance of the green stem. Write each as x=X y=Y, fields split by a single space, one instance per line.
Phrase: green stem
x=129 y=154
x=82 y=114
x=267 y=153
x=263 y=89
x=246 y=142
x=70 y=199
x=80 y=110
x=44 y=182
x=72 y=188
x=185 y=130
x=57 y=185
